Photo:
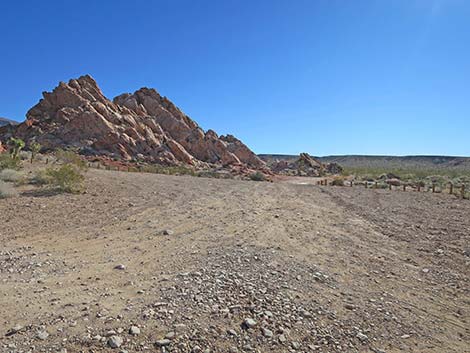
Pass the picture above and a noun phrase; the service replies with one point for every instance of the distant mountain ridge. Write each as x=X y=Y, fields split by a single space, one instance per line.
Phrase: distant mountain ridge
x=5 y=121
x=403 y=162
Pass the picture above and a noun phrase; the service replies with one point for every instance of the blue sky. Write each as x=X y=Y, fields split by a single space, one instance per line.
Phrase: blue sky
x=285 y=76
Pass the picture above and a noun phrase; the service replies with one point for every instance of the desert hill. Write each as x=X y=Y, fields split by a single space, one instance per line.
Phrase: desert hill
x=140 y=126
x=396 y=162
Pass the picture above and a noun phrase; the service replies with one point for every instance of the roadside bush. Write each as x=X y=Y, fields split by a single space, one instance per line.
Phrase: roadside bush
x=6 y=190
x=66 y=178
x=338 y=182
x=258 y=176
x=70 y=157
x=11 y=175
x=8 y=162
x=24 y=155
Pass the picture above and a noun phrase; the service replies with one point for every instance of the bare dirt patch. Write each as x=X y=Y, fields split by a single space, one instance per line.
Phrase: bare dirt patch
x=209 y=265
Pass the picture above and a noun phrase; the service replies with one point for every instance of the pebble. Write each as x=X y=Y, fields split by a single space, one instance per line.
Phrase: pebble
x=266 y=332
x=134 y=331
x=362 y=337
x=163 y=342
x=115 y=341
x=42 y=335
x=120 y=267
x=249 y=323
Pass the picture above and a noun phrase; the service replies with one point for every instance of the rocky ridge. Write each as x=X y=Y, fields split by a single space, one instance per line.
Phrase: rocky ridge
x=305 y=165
x=143 y=126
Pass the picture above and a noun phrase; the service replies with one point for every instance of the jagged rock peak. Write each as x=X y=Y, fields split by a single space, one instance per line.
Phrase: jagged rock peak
x=143 y=125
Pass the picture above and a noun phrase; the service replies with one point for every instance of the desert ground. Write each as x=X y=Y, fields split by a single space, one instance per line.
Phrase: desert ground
x=155 y=263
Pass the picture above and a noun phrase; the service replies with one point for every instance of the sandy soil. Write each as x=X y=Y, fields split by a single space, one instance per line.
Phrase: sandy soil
x=207 y=265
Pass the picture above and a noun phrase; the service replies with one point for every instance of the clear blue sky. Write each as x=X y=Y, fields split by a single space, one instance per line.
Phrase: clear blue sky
x=285 y=76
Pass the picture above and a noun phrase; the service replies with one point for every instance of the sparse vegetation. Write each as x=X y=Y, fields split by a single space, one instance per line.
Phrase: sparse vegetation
x=66 y=178
x=8 y=162
x=168 y=170
x=11 y=175
x=338 y=181
x=258 y=176
x=6 y=190
x=71 y=157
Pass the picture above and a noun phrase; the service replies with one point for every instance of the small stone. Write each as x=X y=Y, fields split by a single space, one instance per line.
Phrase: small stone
x=232 y=332
x=115 y=341
x=349 y=306
x=42 y=335
x=282 y=338
x=170 y=335
x=134 y=331
x=362 y=337
x=163 y=342
x=295 y=345
x=267 y=333
x=120 y=267
x=249 y=323
x=167 y=232
x=405 y=336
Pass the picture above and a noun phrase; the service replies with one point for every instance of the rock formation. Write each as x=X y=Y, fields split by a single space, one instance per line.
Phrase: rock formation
x=305 y=165
x=140 y=126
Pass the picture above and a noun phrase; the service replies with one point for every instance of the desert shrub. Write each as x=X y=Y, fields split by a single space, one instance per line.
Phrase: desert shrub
x=11 y=175
x=6 y=190
x=70 y=157
x=24 y=155
x=66 y=178
x=337 y=182
x=258 y=176
x=8 y=162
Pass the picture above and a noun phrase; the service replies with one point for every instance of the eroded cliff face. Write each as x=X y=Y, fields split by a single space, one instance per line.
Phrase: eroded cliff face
x=143 y=125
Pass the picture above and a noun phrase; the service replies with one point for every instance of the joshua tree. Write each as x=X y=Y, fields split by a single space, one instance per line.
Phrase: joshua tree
x=35 y=147
x=16 y=145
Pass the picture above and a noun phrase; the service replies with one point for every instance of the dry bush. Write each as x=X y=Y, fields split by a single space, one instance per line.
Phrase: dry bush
x=6 y=190
x=11 y=175
x=8 y=162
x=70 y=157
x=66 y=178
x=258 y=176
x=337 y=181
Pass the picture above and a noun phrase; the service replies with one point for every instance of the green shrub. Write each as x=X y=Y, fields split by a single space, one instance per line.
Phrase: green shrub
x=8 y=162
x=70 y=157
x=66 y=178
x=6 y=190
x=258 y=176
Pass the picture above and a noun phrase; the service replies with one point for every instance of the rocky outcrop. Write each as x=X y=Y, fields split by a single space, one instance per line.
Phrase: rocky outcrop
x=140 y=126
x=305 y=165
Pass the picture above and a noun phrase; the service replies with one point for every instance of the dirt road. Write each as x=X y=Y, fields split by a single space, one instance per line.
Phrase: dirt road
x=145 y=262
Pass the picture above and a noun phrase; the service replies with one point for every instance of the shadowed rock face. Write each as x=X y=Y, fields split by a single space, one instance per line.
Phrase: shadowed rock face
x=143 y=125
